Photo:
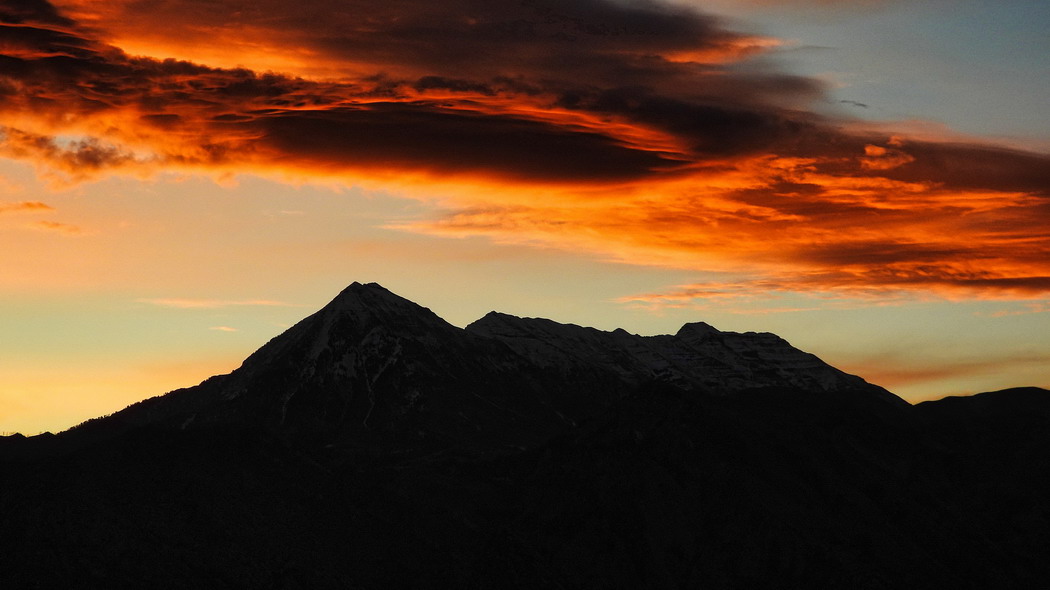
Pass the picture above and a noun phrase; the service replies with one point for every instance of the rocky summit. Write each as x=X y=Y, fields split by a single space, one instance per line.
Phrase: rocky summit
x=375 y=445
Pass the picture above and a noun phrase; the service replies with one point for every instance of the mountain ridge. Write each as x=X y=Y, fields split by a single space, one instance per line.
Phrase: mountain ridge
x=375 y=445
x=370 y=349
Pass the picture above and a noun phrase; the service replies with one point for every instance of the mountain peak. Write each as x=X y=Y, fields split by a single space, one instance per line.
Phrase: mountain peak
x=697 y=330
x=356 y=286
x=371 y=303
x=364 y=293
x=369 y=348
x=358 y=314
x=497 y=324
x=496 y=321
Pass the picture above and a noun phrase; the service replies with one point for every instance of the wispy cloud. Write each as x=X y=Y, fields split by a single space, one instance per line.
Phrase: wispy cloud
x=26 y=207
x=58 y=227
x=223 y=329
x=184 y=303
x=1028 y=308
x=896 y=369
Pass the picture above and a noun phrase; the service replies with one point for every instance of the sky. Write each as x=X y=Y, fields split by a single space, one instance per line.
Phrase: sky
x=182 y=180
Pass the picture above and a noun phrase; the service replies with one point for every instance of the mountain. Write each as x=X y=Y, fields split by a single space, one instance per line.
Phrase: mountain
x=375 y=445
x=698 y=357
x=374 y=368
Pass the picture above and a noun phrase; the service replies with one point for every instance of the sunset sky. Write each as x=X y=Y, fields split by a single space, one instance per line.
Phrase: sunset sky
x=181 y=180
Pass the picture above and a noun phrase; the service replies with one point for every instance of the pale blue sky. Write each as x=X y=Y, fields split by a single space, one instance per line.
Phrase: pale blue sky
x=977 y=67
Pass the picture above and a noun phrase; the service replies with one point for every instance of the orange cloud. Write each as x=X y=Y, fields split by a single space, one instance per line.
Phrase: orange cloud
x=1029 y=308
x=25 y=207
x=583 y=93
x=897 y=370
x=55 y=226
x=796 y=229
x=620 y=129
x=881 y=158
x=412 y=38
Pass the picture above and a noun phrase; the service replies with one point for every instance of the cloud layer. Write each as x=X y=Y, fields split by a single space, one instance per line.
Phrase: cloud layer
x=25 y=207
x=635 y=130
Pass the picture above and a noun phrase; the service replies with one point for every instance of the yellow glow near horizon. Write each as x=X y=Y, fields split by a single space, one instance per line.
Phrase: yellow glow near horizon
x=675 y=172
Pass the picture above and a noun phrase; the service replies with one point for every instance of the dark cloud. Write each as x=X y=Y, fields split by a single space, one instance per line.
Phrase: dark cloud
x=641 y=64
x=31 y=11
x=439 y=83
x=854 y=103
x=79 y=158
x=969 y=280
x=424 y=136
x=794 y=201
x=711 y=157
x=467 y=35
x=707 y=129
x=297 y=120
x=871 y=253
x=975 y=167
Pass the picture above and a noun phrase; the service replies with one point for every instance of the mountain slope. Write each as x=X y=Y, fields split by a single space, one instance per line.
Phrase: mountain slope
x=698 y=357
x=372 y=367
x=375 y=445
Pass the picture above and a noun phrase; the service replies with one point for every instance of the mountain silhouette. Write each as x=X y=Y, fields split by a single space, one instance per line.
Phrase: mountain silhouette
x=375 y=445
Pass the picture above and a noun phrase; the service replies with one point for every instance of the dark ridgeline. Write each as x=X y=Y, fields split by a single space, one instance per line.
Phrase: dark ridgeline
x=374 y=445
